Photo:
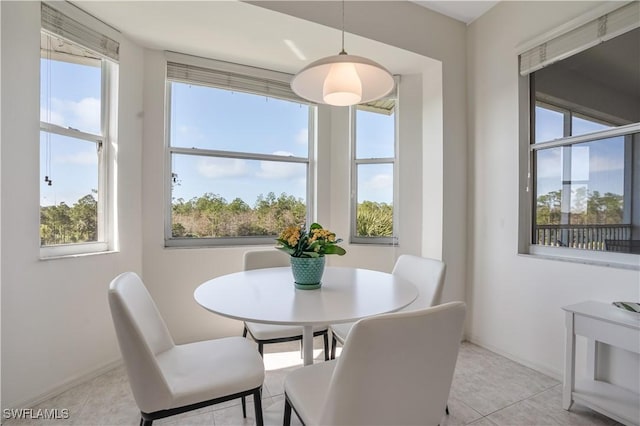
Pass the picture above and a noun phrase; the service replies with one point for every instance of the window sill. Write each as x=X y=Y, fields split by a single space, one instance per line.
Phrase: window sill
x=74 y=250
x=606 y=259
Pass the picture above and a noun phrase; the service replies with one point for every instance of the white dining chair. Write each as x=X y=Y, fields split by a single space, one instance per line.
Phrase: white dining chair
x=425 y=273
x=395 y=369
x=269 y=333
x=168 y=379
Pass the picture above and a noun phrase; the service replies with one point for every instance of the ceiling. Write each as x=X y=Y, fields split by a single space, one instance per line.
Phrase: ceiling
x=240 y=32
x=243 y=33
x=465 y=11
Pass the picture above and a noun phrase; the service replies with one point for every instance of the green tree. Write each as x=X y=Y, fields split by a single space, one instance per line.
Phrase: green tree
x=84 y=219
x=548 y=208
x=605 y=209
x=374 y=219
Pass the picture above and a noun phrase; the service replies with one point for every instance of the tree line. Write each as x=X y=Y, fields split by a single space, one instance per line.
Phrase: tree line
x=208 y=216
x=587 y=208
x=212 y=216
x=64 y=224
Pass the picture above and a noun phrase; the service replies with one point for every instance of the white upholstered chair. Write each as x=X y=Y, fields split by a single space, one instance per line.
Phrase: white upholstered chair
x=168 y=379
x=426 y=274
x=395 y=369
x=269 y=333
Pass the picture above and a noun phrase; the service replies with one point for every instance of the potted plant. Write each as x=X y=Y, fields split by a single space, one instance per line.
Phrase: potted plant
x=307 y=249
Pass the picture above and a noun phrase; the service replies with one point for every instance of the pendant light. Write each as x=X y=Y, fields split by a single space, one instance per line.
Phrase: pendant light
x=342 y=79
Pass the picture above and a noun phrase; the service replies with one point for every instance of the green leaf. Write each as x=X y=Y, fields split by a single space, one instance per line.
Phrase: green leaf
x=334 y=250
x=286 y=250
x=315 y=226
x=310 y=254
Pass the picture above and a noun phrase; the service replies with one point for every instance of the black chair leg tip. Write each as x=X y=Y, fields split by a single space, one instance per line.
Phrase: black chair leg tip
x=287 y=413
x=244 y=407
x=257 y=404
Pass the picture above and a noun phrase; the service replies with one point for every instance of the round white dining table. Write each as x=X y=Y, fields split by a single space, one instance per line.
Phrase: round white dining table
x=269 y=296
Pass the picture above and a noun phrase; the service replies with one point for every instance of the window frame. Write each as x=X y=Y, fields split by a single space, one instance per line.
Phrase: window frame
x=355 y=162
x=565 y=40
x=105 y=210
x=603 y=258
x=176 y=242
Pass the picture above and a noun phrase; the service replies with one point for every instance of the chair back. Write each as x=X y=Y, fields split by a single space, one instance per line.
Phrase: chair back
x=396 y=369
x=426 y=274
x=142 y=334
x=258 y=259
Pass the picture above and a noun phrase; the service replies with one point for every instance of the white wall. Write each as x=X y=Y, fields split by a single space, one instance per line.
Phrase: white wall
x=56 y=325
x=516 y=300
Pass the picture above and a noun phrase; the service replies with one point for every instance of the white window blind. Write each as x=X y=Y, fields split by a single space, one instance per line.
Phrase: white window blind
x=383 y=106
x=581 y=38
x=61 y=25
x=192 y=74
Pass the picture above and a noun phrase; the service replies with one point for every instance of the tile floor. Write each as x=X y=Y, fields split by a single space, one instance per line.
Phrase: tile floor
x=487 y=390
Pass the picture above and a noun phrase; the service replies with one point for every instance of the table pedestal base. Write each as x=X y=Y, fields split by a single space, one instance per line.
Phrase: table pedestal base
x=307 y=344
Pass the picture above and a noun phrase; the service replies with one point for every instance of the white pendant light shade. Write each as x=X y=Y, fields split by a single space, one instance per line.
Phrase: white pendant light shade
x=342 y=80
x=342 y=86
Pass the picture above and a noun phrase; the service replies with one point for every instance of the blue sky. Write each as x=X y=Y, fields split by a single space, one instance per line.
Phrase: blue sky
x=598 y=165
x=69 y=97
x=203 y=118
x=234 y=121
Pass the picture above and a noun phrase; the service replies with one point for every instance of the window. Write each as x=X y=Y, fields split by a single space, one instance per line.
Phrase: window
x=239 y=157
x=579 y=186
x=373 y=170
x=584 y=148
x=75 y=91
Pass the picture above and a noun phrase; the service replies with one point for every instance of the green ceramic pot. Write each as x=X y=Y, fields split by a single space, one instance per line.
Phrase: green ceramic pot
x=307 y=272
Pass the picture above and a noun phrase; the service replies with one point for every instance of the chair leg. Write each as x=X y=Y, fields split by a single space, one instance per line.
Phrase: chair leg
x=446 y=410
x=325 y=336
x=287 y=413
x=334 y=343
x=257 y=405
x=145 y=422
x=244 y=332
x=261 y=349
x=244 y=407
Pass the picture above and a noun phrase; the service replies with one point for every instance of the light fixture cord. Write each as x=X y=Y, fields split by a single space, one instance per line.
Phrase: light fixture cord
x=343 y=52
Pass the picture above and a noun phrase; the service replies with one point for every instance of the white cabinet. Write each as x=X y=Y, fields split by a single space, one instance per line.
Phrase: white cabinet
x=600 y=322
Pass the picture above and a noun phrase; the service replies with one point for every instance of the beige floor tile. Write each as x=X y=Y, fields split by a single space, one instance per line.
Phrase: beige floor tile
x=459 y=414
x=488 y=382
x=484 y=421
x=546 y=409
x=487 y=390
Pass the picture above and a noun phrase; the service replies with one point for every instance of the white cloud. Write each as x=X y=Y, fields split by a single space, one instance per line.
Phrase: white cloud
x=607 y=163
x=87 y=111
x=83 y=114
x=82 y=158
x=380 y=182
x=584 y=163
x=549 y=164
x=214 y=168
x=187 y=135
x=302 y=137
x=52 y=117
x=280 y=170
x=378 y=188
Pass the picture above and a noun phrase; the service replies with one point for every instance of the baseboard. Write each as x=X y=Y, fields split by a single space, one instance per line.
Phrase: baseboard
x=546 y=370
x=66 y=385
